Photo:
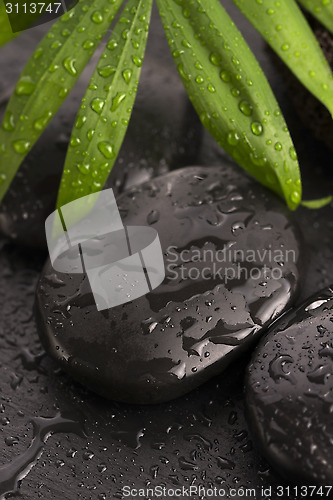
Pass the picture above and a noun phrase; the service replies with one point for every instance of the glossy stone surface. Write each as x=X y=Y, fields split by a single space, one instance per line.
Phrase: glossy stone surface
x=289 y=392
x=215 y=299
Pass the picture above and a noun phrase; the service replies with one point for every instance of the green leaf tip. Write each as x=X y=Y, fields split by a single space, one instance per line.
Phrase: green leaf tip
x=315 y=204
x=231 y=94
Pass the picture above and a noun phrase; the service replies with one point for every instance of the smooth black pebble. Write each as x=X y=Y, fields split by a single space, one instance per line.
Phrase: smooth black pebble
x=196 y=322
x=289 y=392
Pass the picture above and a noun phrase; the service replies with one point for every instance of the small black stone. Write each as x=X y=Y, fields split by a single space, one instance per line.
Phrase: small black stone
x=290 y=392
x=196 y=322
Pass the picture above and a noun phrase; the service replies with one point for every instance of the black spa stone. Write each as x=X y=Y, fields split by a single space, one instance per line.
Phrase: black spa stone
x=289 y=392
x=211 y=307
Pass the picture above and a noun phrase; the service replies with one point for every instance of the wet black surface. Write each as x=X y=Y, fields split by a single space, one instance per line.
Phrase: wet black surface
x=200 y=439
x=289 y=392
x=232 y=260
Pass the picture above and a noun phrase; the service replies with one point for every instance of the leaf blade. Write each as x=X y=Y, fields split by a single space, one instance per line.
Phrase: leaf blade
x=231 y=94
x=315 y=204
x=286 y=30
x=104 y=120
x=47 y=79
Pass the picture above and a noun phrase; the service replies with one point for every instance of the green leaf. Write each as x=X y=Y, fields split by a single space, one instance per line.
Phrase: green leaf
x=48 y=78
x=230 y=93
x=314 y=204
x=6 y=33
x=284 y=27
x=321 y=10
x=107 y=105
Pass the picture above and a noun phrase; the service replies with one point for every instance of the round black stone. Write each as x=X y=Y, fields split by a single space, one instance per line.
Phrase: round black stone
x=289 y=392
x=223 y=228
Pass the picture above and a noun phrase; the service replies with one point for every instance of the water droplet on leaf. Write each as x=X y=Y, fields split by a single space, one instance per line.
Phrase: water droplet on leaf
x=106 y=71
x=8 y=121
x=97 y=17
x=106 y=149
x=21 y=146
x=233 y=138
x=117 y=100
x=25 y=86
x=127 y=75
x=97 y=105
x=257 y=128
x=69 y=65
x=246 y=108
x=137 y=61
x=41 y=122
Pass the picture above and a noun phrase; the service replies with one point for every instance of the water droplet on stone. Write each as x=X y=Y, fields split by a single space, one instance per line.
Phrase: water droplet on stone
x=153 y=217
x=148 y=325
